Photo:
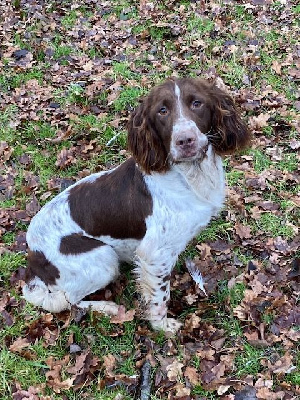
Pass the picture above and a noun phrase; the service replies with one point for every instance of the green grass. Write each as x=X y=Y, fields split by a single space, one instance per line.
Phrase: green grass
x=233 y=296
x=10 y=262
x=69 y=20
x=261 y=161
x=12 y=366
x=199 y=391
x=127 y=99
x=249 y=361
x=122 y=69
x=199 y=25
x=274 y=225
x=234 y=177
x=13 y=80
x=217 y=229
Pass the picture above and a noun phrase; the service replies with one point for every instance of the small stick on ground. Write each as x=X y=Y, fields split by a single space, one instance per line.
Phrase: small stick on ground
x=145 y=381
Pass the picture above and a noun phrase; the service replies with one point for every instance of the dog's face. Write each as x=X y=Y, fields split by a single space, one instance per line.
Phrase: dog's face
x=177 y=121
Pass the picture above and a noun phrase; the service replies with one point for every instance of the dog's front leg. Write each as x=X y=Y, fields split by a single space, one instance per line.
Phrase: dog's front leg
x=153 y=275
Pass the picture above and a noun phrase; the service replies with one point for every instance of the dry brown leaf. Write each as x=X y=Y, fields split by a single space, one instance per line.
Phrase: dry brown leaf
x=283 y=365
x=122 y=316
x=182 y=392
x=54 y=379
x=244 y=232
x=266 y=393
x=219 y=370
x=174 y=370
x=192 y=322
x=192 y=375
x=222 y=389
x=19 y=344
x=109 y=362
x=207 y=353
x=276 y=66
x=256 y=123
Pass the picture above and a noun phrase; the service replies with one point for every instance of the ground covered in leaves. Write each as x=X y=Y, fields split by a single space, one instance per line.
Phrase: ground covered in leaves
x=71 y=71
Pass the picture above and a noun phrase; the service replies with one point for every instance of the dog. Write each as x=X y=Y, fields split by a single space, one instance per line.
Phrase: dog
x=144 y=211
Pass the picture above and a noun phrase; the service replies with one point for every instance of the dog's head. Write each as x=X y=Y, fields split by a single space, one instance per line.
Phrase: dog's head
x=179 y=119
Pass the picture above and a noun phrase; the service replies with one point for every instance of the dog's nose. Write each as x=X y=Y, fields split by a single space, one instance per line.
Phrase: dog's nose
x=185 y=141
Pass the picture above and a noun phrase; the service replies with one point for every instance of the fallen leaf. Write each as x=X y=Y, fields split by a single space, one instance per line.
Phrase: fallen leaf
x=122 y=316
x=256 y=123
x=19 y=344
x=174 y=370
x=244 y=232
x=192 y=375
x=276 y=66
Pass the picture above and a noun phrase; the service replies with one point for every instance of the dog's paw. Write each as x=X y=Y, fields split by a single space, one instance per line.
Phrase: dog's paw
x=168 y=325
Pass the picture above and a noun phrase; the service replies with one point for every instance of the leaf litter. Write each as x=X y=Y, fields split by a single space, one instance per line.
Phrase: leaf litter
x=69 y=62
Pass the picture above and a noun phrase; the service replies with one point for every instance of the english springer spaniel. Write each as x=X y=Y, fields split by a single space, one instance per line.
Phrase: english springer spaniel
x=144 y=211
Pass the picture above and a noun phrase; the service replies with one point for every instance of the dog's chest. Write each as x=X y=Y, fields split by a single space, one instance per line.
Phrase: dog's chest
x=186 y=198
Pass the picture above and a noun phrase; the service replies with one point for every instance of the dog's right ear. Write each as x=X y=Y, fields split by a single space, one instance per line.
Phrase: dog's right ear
x=144 y=142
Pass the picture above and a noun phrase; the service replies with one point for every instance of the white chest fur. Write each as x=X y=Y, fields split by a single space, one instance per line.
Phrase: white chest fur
x=185 y=199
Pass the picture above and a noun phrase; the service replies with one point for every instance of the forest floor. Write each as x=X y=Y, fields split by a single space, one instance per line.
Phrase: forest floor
x=71 y=72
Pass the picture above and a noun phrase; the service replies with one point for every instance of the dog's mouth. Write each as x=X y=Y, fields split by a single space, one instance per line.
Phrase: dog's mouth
x=192 y=154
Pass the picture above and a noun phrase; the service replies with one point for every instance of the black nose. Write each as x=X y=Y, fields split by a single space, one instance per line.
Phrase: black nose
x=187 y=141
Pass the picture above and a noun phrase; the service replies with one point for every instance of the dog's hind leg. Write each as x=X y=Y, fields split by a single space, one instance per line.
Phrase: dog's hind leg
x=73 y=276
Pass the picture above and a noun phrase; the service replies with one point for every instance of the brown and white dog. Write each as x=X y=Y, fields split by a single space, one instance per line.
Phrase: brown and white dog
x=144 y=211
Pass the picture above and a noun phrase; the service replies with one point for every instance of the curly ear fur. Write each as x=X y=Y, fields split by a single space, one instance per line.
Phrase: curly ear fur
x=229 y=133
x=144 y=143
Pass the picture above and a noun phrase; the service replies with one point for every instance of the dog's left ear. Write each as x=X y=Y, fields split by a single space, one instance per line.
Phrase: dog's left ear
x=229 y=132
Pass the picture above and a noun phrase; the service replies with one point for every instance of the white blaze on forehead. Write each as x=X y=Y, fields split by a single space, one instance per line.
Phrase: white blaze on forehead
x=179 y=105
x=182 y=122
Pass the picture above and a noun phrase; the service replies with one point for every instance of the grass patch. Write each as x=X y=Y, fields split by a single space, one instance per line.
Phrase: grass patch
x=200 y=25
x=127 y=99
x=289 y=162
x=12 y=366
x=12 y=81
x=217 y=229
x=123 y=69
x=9 y=262
x=249 y=361
x=274 y=225
x=261 y=161
x=199 y=391
x=68 y=21
x=7 y=117
x=232 y=296
x=234 y=177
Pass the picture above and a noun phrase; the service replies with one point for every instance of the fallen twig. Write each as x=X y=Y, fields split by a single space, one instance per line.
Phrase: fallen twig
x=145 y=381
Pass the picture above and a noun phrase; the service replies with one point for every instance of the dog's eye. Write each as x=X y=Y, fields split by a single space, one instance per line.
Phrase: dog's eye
x=196 y=104
x=163 y=111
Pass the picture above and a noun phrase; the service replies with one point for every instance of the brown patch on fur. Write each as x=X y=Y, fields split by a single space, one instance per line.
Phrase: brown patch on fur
x=38 y=265
x=116 y=204
x=77 y=244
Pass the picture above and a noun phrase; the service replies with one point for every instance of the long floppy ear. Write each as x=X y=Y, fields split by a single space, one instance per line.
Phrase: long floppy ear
x=229 y=132
x=144 y=143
